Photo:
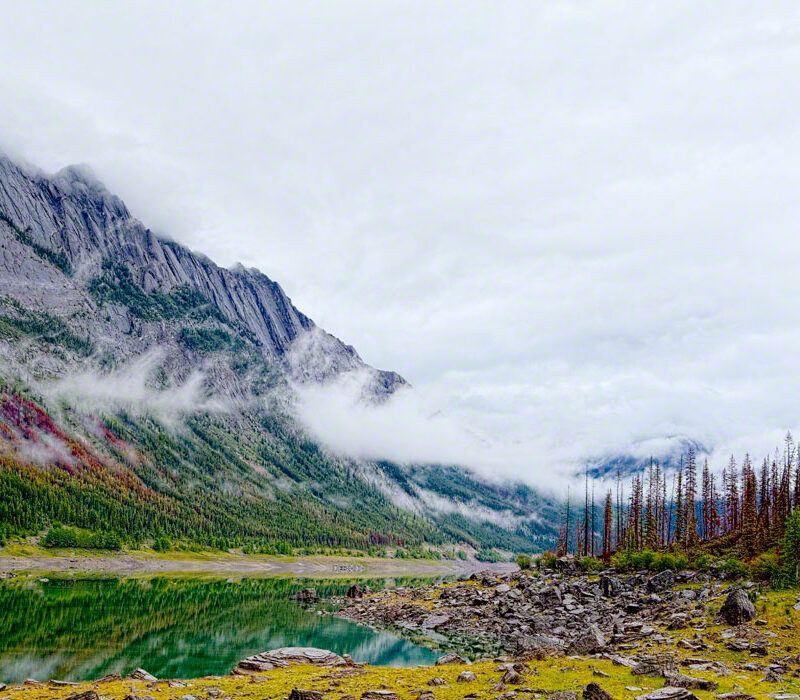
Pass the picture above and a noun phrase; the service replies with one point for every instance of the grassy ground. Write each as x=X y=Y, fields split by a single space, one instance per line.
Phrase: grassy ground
x=547 y=675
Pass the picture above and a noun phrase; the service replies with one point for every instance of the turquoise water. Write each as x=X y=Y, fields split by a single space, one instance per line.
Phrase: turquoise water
x=82 y=629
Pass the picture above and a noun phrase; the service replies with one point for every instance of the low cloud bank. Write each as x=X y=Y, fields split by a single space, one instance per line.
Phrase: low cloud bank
x=407 y=429
x=131 y=388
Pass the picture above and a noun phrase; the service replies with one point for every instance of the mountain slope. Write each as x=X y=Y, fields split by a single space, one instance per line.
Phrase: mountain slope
x=149 y=391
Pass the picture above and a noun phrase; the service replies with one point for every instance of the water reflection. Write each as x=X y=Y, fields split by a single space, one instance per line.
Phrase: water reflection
x=83 y=629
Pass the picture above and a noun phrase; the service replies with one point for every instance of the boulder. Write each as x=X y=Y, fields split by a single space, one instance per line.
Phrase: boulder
x=590 y=642
x=735 y=695
x=661 y=581
x=680 y=680
x=512 y=677
x=139 y=674
x=450 y=659
x=437 y=681
x=85 y=695
x=610 y=586
x=285 y=656
x=138 y=697
x=595 y=692
x=466 y=677
x=379 y=695
x=435 y=620
x=563 y=695
x=298 y=694
x=737 y=608
x=668 y=693
x=109 y=678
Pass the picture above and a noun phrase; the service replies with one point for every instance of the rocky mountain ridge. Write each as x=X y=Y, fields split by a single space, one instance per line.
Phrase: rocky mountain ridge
x=73 y=250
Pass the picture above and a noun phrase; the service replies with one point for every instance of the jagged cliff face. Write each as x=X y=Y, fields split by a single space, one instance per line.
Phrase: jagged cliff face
x=71 y=249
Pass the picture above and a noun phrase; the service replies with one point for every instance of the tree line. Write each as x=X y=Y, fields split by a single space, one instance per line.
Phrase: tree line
x=746 y=510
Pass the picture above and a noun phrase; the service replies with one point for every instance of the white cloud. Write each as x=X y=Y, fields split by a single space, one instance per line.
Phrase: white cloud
x=572 y=226
x=130 y=388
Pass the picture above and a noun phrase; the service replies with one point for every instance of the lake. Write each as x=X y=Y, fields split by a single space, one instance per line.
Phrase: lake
x=78 y=629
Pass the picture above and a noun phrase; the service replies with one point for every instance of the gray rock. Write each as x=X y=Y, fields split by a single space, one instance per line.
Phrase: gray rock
x=590 y=642
x=595 y=692
x=435 y=620
x=737 y=608
x=85 y=695
x=139 y=674
x=450 y=659
x=379 y=695
x=680 y=680
x=285 y=656
x=661 y=581
x=563 y=695
x=466 y=677
x=298 y=694
x=668 y=693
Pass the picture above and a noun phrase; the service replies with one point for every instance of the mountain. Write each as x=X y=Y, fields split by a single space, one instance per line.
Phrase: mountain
x=149 y=391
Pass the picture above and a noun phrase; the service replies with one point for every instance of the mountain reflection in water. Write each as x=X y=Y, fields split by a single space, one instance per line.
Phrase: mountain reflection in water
x=175 y=628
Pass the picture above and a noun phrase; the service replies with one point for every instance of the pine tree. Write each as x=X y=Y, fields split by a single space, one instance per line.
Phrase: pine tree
x=690 y=519
x=705 y=503
x=679 y=510
x=608 y=515
x=749 y=510
x=732 y=497
x=649 y=517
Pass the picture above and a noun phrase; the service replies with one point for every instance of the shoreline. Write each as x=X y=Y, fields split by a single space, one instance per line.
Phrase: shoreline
x=315 y=566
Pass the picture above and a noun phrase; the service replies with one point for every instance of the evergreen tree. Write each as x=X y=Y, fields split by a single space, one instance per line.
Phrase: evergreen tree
x=608 y=515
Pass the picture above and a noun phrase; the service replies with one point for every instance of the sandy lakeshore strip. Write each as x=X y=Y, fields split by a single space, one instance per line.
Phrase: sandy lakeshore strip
x=251 y=565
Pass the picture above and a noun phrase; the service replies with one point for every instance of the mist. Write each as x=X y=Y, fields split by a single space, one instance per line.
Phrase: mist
x=130 y=388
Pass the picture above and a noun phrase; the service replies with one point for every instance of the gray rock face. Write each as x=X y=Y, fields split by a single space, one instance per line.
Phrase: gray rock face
x=737 y=608
x=64 y=227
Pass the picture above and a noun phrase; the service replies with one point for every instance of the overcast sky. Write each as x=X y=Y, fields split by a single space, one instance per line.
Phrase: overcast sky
x=568 y=224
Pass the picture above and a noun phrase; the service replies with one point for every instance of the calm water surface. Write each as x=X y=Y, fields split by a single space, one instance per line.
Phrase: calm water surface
x=175 y=628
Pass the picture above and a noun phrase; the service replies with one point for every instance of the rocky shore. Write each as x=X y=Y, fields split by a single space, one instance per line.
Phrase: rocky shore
x=654 y=625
